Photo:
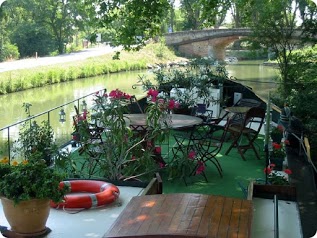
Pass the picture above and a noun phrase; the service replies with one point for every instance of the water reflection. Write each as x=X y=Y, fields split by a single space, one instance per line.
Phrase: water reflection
x=253 y=74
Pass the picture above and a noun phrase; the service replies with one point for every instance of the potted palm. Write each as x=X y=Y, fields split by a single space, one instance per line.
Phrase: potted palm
x=26 y=201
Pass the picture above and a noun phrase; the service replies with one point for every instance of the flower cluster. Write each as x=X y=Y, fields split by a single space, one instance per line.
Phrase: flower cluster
x=24 y=180
x=125 y=152
x=163 y=103
x=275 y=177
x=278 y=130
x=200 y=167
x=158 y=110
x=117 y=94
x=278 y=150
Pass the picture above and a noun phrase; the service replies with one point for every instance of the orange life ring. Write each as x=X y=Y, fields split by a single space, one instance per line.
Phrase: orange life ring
x=89 y=194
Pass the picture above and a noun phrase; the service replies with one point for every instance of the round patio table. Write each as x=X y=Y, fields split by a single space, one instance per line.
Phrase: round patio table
x=177 y=120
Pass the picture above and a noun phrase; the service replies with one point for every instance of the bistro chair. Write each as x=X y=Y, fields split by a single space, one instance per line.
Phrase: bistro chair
x=205 y=141
x=86 y=131
x=248 y=130
x=203 y=112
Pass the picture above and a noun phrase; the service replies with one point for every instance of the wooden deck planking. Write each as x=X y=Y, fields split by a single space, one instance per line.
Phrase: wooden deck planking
x=184 y=215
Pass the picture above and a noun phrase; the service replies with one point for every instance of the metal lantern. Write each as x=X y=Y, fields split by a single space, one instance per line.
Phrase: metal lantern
x=62 y=115
x=84 y=106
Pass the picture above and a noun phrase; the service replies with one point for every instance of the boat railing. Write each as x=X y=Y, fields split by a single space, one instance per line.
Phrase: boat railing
x=7 y=131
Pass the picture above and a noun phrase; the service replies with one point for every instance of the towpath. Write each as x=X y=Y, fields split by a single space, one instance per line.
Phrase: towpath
x=50 y=60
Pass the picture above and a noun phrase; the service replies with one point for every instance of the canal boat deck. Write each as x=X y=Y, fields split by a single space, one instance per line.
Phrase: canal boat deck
x=97 y=222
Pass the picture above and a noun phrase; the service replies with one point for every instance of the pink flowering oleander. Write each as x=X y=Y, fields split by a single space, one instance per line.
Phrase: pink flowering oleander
x=117 y=94
x=163 y=104
x=201 y=167
x=191 y=155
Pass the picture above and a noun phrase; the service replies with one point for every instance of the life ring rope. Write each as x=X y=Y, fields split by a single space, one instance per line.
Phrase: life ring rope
x=85 y=194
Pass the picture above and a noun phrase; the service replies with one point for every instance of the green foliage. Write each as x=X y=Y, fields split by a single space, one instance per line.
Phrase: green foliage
x=123 y=153
x=9 y=51
x=134 y=21
x=195 y=78
x=31 y=38
x=37 y=77
x=32 y=179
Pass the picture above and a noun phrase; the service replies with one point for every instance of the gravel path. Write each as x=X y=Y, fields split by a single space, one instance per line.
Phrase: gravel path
x=42 y=61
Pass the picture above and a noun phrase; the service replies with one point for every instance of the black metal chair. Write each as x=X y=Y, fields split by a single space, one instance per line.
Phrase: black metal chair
x=205 y=140
x=86 y=131
x=248 y=129
x=203 y=112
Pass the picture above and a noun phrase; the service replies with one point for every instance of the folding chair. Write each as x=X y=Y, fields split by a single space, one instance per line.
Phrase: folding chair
x=87 y=131
x=202 y=112
x=249 y=129
x=243 y=102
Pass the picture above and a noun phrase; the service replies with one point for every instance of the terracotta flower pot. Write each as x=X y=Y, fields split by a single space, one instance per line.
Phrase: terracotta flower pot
x=27 y=218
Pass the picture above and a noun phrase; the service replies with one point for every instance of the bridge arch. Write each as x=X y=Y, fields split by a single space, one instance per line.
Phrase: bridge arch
x=209 y=42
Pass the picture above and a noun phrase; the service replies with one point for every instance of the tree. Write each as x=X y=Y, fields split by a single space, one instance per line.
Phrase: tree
x=275 y=27
x=134 y=21
x=204 y=13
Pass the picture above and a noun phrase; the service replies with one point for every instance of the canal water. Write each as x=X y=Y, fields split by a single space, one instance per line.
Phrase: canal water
x=251 y=73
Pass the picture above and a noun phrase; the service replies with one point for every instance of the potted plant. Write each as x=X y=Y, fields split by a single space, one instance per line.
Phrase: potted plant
x=35 y=138
x=125 y=153
x=277 y=133
x=26 y=188
x=187 y=86
x=277 y=155
x=277 y=184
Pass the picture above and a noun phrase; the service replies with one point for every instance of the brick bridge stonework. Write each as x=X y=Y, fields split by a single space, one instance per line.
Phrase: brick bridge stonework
x=202 y=43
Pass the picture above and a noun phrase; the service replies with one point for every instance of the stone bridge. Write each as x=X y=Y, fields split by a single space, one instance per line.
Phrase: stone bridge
x=202 y=43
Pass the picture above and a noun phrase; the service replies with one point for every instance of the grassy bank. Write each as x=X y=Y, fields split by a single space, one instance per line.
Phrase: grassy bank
x=18 y=80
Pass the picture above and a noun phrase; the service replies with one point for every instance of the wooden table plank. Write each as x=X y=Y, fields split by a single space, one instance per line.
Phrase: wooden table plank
x=245 y=220
x=235 y=218
x=184 y=215
x=225 y=218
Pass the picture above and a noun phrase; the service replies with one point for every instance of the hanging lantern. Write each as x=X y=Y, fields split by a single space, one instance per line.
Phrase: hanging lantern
x=84 y=106
x=62 y=115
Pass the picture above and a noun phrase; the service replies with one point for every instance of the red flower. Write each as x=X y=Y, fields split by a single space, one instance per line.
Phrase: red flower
x=280 y=128
x=286 y=142
x=152 y=93
x=200 y=168
x=162 y=165
x=267 y=170
x=158 y=149
x=171 y=104
x=117 y=94
x=191 y=154
x=288 y=171
x=276 y=146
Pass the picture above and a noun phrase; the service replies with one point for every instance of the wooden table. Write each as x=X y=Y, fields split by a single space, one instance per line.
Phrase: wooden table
x=184 y=215
x=177 y=120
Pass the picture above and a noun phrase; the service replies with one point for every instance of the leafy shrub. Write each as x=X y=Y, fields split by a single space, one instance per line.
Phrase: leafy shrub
x=9 y=51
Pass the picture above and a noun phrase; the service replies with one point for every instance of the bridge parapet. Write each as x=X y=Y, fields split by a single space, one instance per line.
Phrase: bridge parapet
x=187 y=37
